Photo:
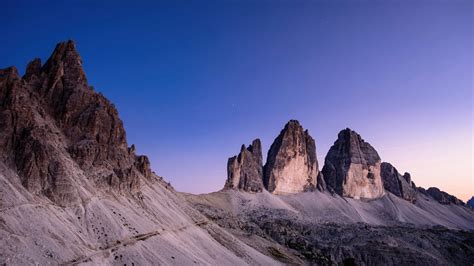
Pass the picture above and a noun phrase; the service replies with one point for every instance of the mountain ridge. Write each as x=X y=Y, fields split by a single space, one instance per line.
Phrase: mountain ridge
x=73 y=192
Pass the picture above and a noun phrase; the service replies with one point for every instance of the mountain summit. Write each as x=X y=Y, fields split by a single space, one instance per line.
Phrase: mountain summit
x=352 y=167
x=56 y=127
x=292 y=165
x=245 y=171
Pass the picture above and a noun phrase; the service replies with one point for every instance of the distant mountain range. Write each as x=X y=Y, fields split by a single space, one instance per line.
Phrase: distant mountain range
x=74 y=192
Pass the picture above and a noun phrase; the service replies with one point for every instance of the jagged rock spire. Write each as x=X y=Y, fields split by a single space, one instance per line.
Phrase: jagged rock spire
x=352 y=167
x=65 y=62
x=399 y=185
x=291 y=165
x=245 y=171
x=51 y=122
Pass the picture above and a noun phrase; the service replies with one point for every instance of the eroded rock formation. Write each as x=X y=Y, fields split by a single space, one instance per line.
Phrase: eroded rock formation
x=470 y=202
x=52 y=121
x=245 y=171
x=399 y=185
x=352 y=167
x=441 y=196
x=291 y=165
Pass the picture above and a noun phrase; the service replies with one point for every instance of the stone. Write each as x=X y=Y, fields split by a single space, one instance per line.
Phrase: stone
x=52 y=121
x=291 y=165
x=33 y=69
x=470 y=202
x=399 y=185
x=245 y=171
x=321 y=183
x=441 y=196
x=352 y=167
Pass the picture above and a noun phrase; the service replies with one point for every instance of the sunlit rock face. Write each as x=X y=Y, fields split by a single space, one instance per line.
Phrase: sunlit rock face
x=399 y=185
x=352 y=167
x=291 y=165
x=245 y=171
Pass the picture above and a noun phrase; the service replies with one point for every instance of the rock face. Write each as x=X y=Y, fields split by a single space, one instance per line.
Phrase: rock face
x=52 y=121
x=470 y=202
x=399 y=185
x=352 y=167
x=291 y=165
x=245 y=171
x=441 y=196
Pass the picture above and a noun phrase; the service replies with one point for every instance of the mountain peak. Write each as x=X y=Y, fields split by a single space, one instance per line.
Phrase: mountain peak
x=245 y=171
x=291 y=162
x=65 y=63
x=352 y=167
x=59 y=120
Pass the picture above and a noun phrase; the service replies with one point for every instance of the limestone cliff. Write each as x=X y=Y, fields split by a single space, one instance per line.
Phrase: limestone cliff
x=399 y=185
x=245 y=171
x=291 y=165
x=352 y=167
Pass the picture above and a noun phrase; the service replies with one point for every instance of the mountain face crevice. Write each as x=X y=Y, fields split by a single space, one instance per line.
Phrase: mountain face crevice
x=50 y=117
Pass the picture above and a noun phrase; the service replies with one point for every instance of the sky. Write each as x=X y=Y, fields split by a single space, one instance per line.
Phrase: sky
x=194 y=80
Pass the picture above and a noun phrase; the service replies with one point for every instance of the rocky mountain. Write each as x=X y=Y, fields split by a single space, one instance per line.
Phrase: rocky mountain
x=72 y=191
x=470 y=202
x=399 y=185
x=291 y=165
x=441 y=196
x=352 y=167
x=52 y=119
x=245 y=171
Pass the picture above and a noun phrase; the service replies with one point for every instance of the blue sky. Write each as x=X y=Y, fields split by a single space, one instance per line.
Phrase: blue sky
x=193 y=80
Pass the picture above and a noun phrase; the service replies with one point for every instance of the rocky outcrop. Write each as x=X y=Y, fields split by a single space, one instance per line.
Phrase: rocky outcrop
x=470 y=202
x=245 y=171
x=399 y=185
x=352 y=167
x=441 y=196
x=52 y=121
x=291 y=165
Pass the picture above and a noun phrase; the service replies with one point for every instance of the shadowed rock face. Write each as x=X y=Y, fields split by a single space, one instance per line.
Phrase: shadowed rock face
x=352 y=167
x=441 y=196
x=291 y=165
x=399 y=185
x=470 y=202
x=52 y=121
x=245 y=171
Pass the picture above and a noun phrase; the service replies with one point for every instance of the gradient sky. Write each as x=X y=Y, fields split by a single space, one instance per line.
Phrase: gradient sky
x=194 y=80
